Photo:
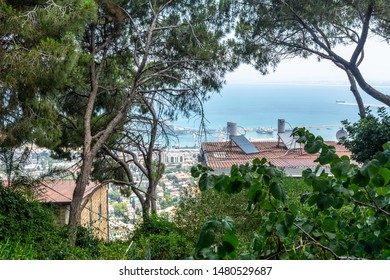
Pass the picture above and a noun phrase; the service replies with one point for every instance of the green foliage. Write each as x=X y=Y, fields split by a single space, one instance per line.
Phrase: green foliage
x=23 y=216
x=120 y=209
x=343 y=215
x=217 y=240
x=194 y=210
x=367 y=135
x=171 y=246
x=114 y=195
x=39 y=50
x=28 y=231
x=115 y=250
x=158 y=238
x=154 y=225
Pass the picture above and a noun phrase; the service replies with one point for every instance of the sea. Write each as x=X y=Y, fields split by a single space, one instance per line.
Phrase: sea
x=318 y=107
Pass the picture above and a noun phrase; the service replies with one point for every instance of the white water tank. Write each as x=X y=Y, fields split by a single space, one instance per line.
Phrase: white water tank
x=231 y=129
x=281 y=126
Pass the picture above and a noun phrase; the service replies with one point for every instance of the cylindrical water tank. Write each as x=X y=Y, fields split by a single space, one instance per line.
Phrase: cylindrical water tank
x=231 y=129
x=281 y=126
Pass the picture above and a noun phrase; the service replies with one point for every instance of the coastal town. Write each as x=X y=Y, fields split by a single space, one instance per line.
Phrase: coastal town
x=124 y=208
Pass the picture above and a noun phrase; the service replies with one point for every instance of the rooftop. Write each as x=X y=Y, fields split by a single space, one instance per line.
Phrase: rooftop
x=61 y=191
x=223 y=155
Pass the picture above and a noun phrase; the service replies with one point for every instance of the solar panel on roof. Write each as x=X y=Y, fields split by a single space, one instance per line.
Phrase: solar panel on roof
x=244 y=144
x=288 y=140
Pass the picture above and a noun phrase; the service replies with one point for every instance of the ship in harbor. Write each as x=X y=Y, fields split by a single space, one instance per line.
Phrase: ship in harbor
x=265 y=130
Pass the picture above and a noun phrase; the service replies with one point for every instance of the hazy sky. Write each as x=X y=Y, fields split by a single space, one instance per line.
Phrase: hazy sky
x=375 y=67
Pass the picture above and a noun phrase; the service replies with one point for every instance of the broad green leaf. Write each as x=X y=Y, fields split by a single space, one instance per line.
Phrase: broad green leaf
x=320 y=185
x=235 y=186
x=235 y=171
x=329 y=225
x=340 y=168
x=230 y=242
x=327 y=156
x=272 y=172
x=338 y=202
x=206 y=181
x=221 y=183
x=313 y=147
x=289 y=219
x=385 y=173
x=221 y=251
x=281 y=229
x=378 y=180
x=330 y=235
x=324 y=202
x=277 y=191
x=257 y=161
x=294 y=209
x=206 y=239
x=361 y=180
x=211 y=224
x=370 y=168
x=195 y=172
x=312 y=200
x=255 y=192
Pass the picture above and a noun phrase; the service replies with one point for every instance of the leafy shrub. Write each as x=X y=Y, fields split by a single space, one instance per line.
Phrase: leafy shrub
x=343 y=215
x=367 y=135
x=193 y=211
x=24 y=219
x=28 y=231
x=155 y=225
x=172 y=246
x=115 y=250
x=159 y=238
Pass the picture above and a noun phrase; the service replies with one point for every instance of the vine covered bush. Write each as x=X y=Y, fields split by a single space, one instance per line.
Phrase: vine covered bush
x=28 y=232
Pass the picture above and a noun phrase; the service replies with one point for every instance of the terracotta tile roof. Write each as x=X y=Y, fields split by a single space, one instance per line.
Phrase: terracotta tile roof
x=61 y=191
x=222 y=155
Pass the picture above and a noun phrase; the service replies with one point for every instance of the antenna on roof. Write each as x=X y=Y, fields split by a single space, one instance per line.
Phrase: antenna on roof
x=341 y=134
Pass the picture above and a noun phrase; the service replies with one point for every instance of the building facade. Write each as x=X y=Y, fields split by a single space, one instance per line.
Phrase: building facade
x=94 y=213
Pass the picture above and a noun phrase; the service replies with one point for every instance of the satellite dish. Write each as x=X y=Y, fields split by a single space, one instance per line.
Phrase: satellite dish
x=341 y=134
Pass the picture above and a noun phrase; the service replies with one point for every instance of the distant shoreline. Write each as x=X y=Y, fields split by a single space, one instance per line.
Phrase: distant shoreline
x=384 y=84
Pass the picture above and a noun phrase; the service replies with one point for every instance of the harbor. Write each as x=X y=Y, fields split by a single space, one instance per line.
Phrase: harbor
x=193 y=137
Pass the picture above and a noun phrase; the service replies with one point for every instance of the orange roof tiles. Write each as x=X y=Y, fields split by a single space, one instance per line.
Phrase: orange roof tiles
x=222 y=155
x=61 y=191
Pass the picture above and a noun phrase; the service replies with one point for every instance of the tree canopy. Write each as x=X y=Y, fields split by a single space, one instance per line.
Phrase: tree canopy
x=38 y=49
x=270 y=31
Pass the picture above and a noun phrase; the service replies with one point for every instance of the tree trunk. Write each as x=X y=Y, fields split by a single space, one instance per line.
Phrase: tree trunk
x=153 y=202
x=355 y=91
x=385 y=99
x=78 y=194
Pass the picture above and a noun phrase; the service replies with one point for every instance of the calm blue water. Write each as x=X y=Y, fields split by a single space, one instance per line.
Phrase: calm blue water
x=253 y=106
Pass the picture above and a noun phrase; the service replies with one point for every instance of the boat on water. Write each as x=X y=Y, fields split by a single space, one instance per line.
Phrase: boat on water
x=265 y=130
